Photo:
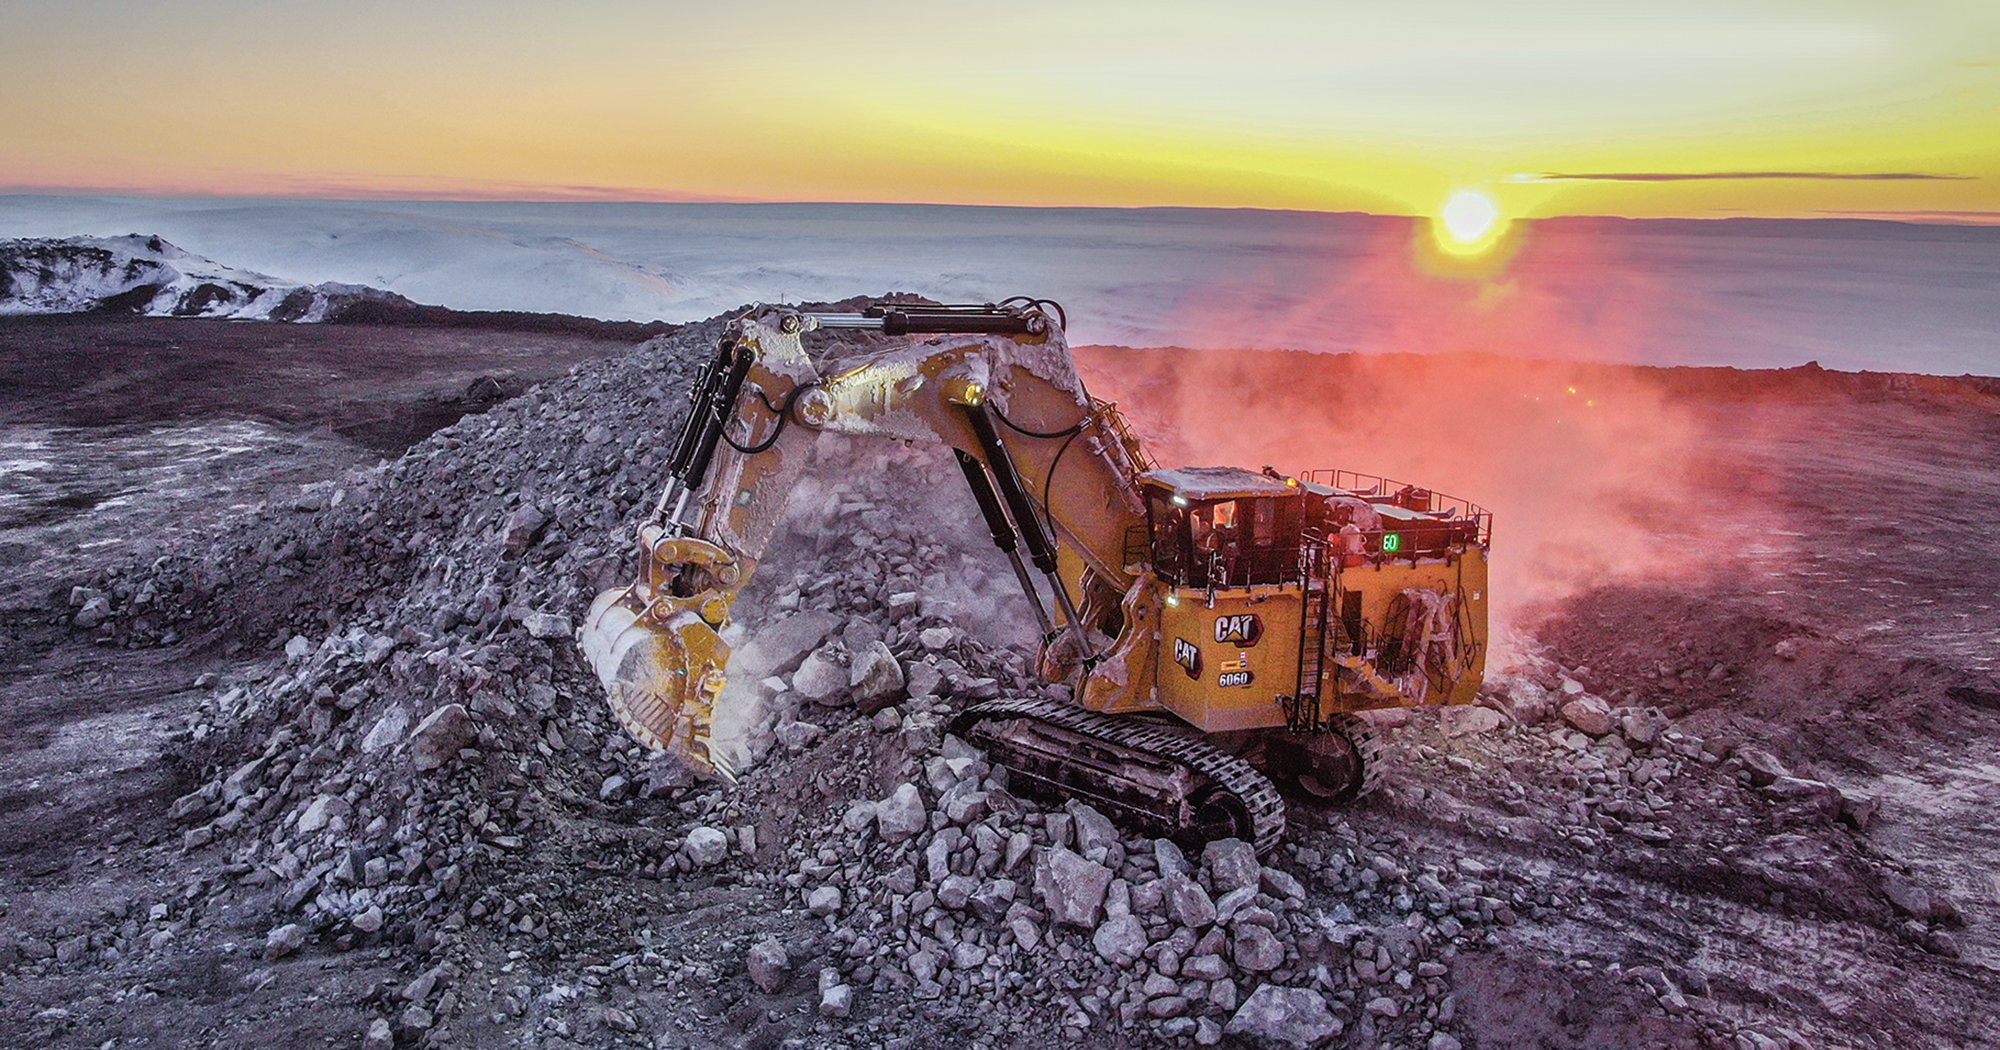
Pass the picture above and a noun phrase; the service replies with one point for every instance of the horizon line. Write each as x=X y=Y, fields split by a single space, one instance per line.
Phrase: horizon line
x=1967 y=218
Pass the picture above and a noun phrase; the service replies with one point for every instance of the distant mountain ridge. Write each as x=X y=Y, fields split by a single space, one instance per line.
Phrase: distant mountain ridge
x=148 y=275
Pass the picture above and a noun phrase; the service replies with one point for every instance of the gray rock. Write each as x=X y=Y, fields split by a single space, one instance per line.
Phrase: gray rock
x=874 y=678
x=522 y=528
x=922 y=679
x=1206 y=968
x=1470 y=721
x=1232 y=865
x=323 y=810
x=992 y=899
x=1119 y=940
x=934 y=638
x=955 y=891
x=706 y=847
x=823 y=901
x=1072 y=888
x=1523 y=700
x=1285 y=1017
x=368 y=921
x=614 y=787
x=1188 y=903
x=795 y=736
x=1280 y=884
x=379 y=1036
x=1256 y=950
x=284 y=940
x=860 y=815
x=96 y=610
x=438 y=739
x=1588 y=714
x=1858 y=810
x=1763 y=766
x=779 y=647
x=822 y=677
x=769 y=965
x=387 y=730
x=836 y=1001
x=901 y=815
x=1095 y=833
x=548 y=625
x=666 y=774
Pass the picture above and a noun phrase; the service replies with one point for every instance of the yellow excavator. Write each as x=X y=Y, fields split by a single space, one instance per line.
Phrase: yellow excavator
x=1219 y=628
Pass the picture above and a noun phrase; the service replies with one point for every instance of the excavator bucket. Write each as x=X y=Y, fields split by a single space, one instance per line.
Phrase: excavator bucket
x=661 y=675
x=656 y=644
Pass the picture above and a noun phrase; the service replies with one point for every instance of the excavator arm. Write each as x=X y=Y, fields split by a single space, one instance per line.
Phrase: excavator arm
x=1048 y=466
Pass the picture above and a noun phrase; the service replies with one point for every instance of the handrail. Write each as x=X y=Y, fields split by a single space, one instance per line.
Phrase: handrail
x=1377 y=486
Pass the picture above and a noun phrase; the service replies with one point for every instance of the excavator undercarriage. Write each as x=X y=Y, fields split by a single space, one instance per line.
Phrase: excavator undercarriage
x=1220 y=630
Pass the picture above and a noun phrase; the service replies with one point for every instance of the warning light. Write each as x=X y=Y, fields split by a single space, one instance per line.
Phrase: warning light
x=1173 y=599
x=1180 y=500
x=1392 y=542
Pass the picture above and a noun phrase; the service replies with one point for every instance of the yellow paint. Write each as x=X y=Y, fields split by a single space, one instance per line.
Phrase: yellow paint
x=1273 y=662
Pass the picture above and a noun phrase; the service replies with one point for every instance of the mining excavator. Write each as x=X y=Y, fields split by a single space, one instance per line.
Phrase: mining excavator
x=1219 y=629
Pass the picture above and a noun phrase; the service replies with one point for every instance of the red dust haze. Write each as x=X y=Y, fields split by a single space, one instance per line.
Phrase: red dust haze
x=1594 y=474
x=1593 y=477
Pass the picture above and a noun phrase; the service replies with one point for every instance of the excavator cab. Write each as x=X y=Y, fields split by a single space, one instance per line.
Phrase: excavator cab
x=1223 y=526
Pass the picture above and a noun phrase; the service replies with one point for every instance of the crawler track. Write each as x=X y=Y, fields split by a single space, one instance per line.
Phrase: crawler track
x=1150 y=773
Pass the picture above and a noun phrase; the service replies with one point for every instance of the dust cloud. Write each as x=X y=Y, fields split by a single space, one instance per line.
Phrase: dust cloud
x=1593 y=472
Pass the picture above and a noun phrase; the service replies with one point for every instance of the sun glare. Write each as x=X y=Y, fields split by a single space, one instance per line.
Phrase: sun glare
x=1468 y=223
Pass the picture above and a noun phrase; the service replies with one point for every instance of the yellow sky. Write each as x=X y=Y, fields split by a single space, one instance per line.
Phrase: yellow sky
x=1376 y=107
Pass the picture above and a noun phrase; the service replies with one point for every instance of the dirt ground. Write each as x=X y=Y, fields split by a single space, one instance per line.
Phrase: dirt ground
x=1836 y=606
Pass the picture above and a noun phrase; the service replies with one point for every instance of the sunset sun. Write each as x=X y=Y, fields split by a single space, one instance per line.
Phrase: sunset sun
x=1468 y=223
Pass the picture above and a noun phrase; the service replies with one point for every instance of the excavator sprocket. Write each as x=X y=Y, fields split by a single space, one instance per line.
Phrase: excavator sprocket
x=1140 y=771
x=1338 y=763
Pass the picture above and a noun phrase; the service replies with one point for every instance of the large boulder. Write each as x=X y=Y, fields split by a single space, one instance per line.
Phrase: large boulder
x=1285 y=1017
x=1071 y=887
x=1232 y=865
x=779 y=647
x=901 y=815
x=874 y=678
x=1120 y=940
x=822 y=676
x=1470 y=721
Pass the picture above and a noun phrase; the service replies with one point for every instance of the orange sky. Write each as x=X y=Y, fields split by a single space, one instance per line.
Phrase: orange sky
x=1704 y=107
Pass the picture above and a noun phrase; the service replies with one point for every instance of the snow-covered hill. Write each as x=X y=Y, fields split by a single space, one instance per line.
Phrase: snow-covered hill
x=148 y=275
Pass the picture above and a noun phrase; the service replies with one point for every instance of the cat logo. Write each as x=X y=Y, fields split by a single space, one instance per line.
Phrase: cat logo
x=1240 y=629
x=1188 y=656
